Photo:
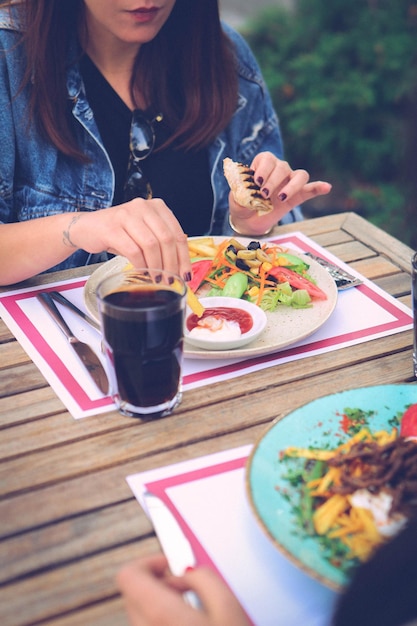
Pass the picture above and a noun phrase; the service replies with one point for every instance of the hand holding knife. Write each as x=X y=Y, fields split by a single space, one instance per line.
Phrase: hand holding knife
x=174 y=543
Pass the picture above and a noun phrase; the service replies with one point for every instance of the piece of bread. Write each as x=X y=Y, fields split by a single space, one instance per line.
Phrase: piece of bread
x=244 y=189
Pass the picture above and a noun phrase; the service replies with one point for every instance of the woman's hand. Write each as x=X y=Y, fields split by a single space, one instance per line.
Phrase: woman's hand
x=286 y=188
x=144 y=231
x=154 y=597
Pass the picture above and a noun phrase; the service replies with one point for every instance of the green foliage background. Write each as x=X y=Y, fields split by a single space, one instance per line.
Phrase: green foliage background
x=343 y=78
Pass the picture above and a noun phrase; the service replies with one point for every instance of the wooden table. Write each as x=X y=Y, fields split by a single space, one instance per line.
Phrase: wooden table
x=68 y=519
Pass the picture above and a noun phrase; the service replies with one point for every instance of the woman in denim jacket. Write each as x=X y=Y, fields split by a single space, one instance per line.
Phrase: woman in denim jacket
x=71 y=74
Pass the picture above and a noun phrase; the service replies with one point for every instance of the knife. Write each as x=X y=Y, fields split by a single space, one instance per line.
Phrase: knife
x=86 y=354
x=174 y=543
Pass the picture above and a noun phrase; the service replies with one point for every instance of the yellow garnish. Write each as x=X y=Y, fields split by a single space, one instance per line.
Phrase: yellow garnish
x=194 y=303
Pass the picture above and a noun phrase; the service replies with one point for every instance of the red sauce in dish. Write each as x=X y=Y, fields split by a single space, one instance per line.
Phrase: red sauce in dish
x=243 y=318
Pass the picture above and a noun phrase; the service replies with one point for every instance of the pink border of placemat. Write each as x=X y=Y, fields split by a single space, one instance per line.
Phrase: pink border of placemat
x=85 y=403
x=159 y=487
x=47 y=353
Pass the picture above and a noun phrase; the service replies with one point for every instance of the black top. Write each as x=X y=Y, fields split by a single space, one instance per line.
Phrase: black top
x=180 y=178
x=383 y=591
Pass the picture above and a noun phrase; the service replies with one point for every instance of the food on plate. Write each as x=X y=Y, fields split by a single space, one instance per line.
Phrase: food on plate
x=355 y=496
x=215 y=328
x=263 y=273
x=244 y=188
x=194 y=303
x=409 y=422
x=220 y=324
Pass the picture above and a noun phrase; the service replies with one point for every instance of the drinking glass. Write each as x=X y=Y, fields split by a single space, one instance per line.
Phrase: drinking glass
x=414 y=298
x=142 y=320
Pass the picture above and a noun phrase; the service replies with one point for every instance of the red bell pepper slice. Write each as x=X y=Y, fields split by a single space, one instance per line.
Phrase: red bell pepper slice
x=283 y=274
x=409 y=422
x=200 y=270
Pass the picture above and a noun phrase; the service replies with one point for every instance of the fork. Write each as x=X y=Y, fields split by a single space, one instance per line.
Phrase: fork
x=343 y=279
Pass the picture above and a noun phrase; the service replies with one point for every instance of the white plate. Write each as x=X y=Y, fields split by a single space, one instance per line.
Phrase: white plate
x=284 y=327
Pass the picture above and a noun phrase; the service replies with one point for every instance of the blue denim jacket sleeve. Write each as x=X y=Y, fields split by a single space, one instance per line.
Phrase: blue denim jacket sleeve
x=36 y=180
x=254 y=128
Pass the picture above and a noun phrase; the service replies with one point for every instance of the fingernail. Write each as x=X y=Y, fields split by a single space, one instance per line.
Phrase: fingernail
x=187 y=277
x=171 y=280
x=158 y=278
x=282 y=196
x=260 y=181
x=265 y=192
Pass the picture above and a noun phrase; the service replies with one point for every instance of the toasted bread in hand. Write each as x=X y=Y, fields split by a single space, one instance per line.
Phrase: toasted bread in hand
x=244 y=189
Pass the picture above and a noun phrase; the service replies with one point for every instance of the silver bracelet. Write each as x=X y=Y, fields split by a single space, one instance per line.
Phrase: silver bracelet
x=239 y=232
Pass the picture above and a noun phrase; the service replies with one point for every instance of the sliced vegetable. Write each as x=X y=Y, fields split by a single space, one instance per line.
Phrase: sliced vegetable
x=409 y=422
x=263 y=273
x=200 y=270
x=283 y=274
x=236 y=285
x=312 y=471
x=290 y=260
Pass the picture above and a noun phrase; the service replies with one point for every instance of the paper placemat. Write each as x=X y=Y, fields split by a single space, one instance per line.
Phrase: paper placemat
x=207 y=496
x=362 y=313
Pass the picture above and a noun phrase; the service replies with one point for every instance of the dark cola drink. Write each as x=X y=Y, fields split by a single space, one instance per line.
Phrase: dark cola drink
x=143 y=331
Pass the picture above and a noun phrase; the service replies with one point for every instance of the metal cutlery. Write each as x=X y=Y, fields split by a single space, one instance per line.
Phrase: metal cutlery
x=174 y=543
x=343 y=279
x=57 y=295
x=84 y=352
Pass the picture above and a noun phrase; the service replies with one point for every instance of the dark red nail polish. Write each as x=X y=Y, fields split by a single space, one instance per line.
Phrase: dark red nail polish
x=260 y=181
x=282 y=196
x=265 y=192
x=187 y=277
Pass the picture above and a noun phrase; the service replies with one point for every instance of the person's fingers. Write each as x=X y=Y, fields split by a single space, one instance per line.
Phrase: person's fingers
x=127 y=577
x=174 y=245
x=217 y=600
x=271 y=173
x=288 y=189
x=149 y=598
x=282 y=184
x=144 y=231
x=310 y=191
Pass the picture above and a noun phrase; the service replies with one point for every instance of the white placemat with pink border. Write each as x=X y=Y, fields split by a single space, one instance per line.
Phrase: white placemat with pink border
x=362 y=313
x=207 y=497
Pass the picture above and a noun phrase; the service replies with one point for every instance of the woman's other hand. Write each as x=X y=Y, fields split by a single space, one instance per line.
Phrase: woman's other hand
x=285 y=187
x=144 y=231
x=154 y=597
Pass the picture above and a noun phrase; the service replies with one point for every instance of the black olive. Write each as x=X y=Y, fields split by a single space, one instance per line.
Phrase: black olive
x=254 y=245
x=231 y=249
x=242 y=265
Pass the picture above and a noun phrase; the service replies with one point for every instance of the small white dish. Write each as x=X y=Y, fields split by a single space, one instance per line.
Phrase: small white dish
x=258 y=316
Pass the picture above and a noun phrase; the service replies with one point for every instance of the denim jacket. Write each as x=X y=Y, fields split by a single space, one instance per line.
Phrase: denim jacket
x=37 y=180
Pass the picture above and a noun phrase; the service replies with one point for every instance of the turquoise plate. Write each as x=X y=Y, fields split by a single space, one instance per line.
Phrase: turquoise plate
x=316 y=424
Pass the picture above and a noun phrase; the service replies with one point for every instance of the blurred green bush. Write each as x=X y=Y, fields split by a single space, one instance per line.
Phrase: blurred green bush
x=343 y=78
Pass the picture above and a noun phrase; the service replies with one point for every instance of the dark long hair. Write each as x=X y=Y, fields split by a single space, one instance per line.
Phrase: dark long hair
x=188 y=71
